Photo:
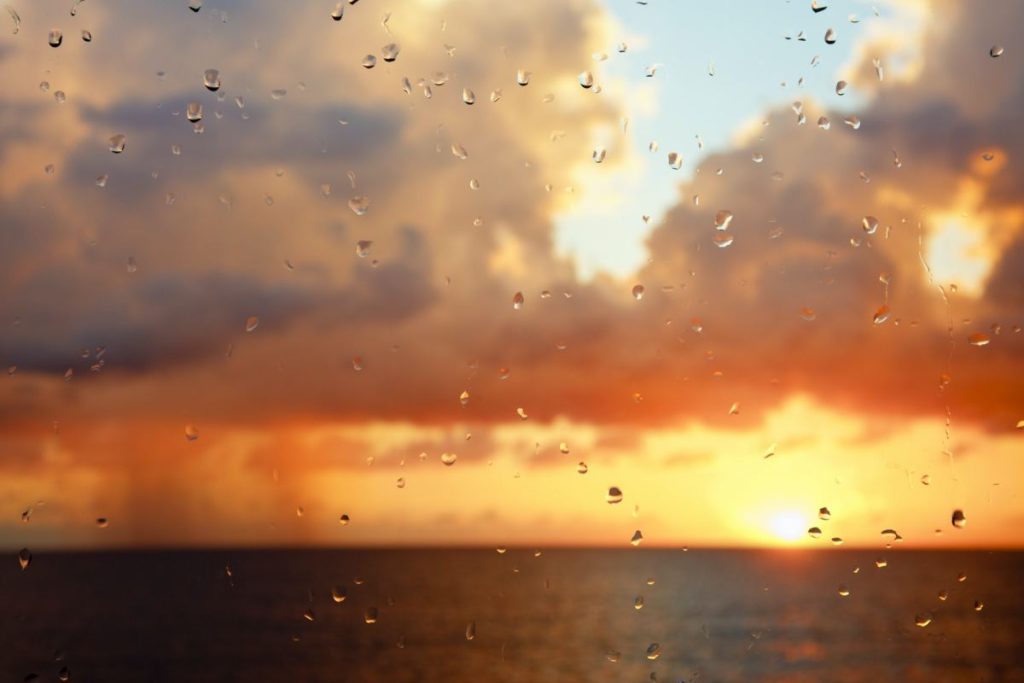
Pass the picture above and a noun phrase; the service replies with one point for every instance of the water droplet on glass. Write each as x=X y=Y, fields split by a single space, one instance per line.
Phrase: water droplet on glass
x=653 y=651
x=24 y=558
x=586 y=79
x=824 y=514
x=638 y=292
x=958 y=519
x=344 y=520
x=191 y=432
x=814 y=532
x=400 y=482
x=251 y=323
x=978 y=339
x=55 y=38
x=922 y=619
x=830 y=37
x=881 y=563
x=471 y=630
x=853 y=121
x=598 y=155
x=517 y=301
x=390 y=52
x=449 y=458
x=338 y=12
x=881 y=315
x=675 y=160
x=211 y=80
x=844 y=591
x=637 y=538
x=978 y=605
x=194 y=111
x=614 y=495
x=722 y=219
x=722 y=240
x=369 y=61
x=370 y=615
x=359 y=205
x=86 y=36
x=581 y=467
x=195 y=5
x=468 y=96
x=338 y=593
x=841 y=87
x=995 y=51
x=523 y=77
x=363 y=248
x=117 y=143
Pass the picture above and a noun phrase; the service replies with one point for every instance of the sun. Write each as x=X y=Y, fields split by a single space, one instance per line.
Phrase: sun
x=787 y=526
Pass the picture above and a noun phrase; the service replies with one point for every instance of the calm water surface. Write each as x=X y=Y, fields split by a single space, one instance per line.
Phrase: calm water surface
x=567 y=615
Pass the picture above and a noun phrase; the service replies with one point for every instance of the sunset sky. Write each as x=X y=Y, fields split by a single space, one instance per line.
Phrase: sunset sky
x=232 y=337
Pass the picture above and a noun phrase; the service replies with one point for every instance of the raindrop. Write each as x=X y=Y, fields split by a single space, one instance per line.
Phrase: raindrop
x=459 y=152
x=370 y=615
x=638 y=292
x=132 y=266
x=468 y=96
x=824 y=123
x=517 y=301
x=814 y=532
x=958 y=519
x=830 y=37
x=523 y=77
x=808 y=314
x=24 y=558
x=15 y=18
x=117 y=143
x=853 y=121
x=815 y=7
x=471 y=630
x=338 y=12
x=978 y=605
x=841 y=88
x=978 y=339
x=359 y=205
x=586 y=79
x=881 y=563
x=195 y=5
x=521 y=413
x=869 y=224
x=582 y=467
x=55 y=38
x=211 y=80
x=722 y=219
x=338 y=593
x=496 y=95
x=363 y=248
x=675 y=160
x=191 y=433
x=653 y=651
x=723 y=240
x=86 y=36
x=251 y=323
x=194 y=111
x=390 y=52
x=844 y=591
x=881 y=315
x=638 y=603
x=824 y=514
x=614 y=495
x=344 y=520
x=598 y=155
x=922 y=619
x=400 y=482
x=637 y=538
x=369 y=61
x=995 y=51
x=449 y=458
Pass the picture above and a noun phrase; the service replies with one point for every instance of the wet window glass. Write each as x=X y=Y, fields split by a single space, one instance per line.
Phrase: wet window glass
x=548 y=340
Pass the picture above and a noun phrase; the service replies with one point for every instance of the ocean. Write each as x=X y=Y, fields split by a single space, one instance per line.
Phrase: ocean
x=480 y=615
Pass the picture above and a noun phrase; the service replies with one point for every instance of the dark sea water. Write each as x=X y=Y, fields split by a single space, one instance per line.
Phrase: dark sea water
x=562 y=616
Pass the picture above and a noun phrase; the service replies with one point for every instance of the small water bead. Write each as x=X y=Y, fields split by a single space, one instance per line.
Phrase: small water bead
x=586 y=79
x=338 y=12
x=613 y=656
x=581 y=467
x=496 y=94
x=49 y=169
x=474 y=184
x=468 y=96
x=841 y=87
x=881 y=563
x=471 y=630
x=118 y=143
x=869 y=224
x=808 y=314
x=978 y=605
x=517 y=301
x=400 y=482
x=191 y=432
x=24 y=558
x=675 y=161
x=723 y=240
x=853 y=121
x=598 y=155
x=338 y=593
x=359 y=205
x=922 y=619
x=195 y=5
x=344 y=520
x=449 y=458
x=370 y=615
x=86 y=36
x=722 y=219
x=251 y=323
x=830 y=37
x=638 y=603
x=308 y=615
x=824 y=514
x=638 y=292
x=523 y=77
x=194 y=111
x=614 y=495
x=55 y=38
x=459 y=152
x=814 y=532
x=943 y=595
x=958 y=519
x=824 y=123
x=363 y=248
x=132 y=266
x=521 y=413
x=637 y=538
x=653 y=651
x=211 y=80
x=59 y=96
x=978 y=339
x=369 y=61
x=390 y=52
x=995 y=52
x=844 y=591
